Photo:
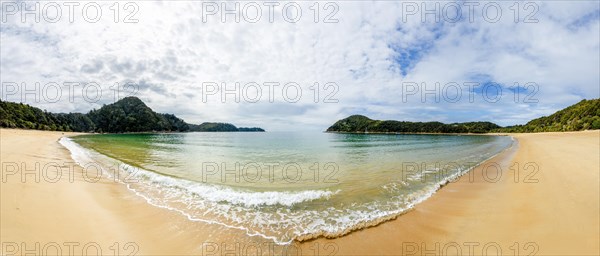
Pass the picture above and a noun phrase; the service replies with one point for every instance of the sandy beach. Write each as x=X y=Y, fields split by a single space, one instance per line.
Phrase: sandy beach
x=81 y=214
x=550 y=208
x=544 y=199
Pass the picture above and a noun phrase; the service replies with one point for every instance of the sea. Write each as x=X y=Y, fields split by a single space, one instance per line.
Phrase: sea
x=284 y=186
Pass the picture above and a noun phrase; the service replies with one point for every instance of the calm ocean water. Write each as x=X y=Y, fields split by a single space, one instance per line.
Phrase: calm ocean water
x=284 y=186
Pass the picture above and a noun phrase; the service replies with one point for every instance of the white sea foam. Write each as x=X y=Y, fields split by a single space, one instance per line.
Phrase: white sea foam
x=211 y=192
x=207 y=198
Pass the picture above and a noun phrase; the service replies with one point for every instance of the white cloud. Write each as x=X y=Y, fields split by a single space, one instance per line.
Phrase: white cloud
x=170 y=52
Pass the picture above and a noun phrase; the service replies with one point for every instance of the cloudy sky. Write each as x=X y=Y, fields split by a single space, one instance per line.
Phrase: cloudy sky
x=304 y=65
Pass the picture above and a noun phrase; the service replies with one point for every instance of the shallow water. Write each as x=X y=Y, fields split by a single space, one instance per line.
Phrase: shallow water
x=285 y=186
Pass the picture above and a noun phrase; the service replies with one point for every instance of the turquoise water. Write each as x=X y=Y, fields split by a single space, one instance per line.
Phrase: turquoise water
x=285 y=186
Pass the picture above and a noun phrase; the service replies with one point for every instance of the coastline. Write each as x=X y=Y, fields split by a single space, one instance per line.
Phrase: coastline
x=422 y=133
x=482 y=215
x=468 y=211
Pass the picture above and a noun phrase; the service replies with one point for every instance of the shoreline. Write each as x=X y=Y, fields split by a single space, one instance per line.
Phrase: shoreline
x=453 y=214
x=480 y=215
x=441 y=184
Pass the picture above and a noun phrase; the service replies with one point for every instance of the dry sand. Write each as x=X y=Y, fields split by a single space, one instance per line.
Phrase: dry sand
x=551 y=207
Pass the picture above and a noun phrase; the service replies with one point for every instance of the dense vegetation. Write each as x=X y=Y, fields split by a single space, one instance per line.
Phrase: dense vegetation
x=363 y=124
x=584 y=115
x=215 y=127
x=250 y=129
x=132 y=115
x=221 y=127
x=17 y=115
x=126 y=115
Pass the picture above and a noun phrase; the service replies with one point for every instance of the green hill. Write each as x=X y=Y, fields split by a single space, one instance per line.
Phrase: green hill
x=214 y=127
x=363 y=124
x=129 y=114
x=584 y=115
x=250 y=129
x=221 y=127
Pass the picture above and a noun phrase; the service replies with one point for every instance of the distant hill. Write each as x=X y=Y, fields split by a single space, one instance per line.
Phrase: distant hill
x=584 y=115
x=250 y=129
x=363 y=124
x=221 y=127
x=216 y=127
x=129 y=114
